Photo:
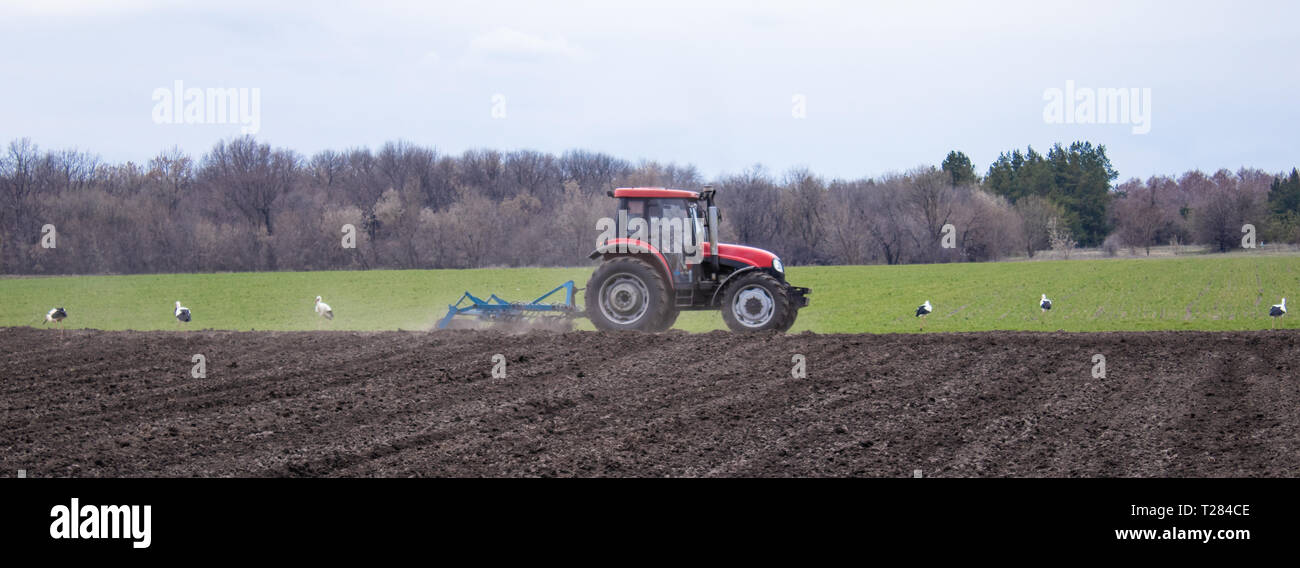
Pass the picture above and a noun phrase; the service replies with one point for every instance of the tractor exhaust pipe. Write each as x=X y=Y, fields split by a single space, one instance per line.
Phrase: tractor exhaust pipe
x=707 y=194
x=713 y=237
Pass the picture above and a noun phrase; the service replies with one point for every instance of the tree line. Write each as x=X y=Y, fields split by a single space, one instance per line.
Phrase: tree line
x=246 y=205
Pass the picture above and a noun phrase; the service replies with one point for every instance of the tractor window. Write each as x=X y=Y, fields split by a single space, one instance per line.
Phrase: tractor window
x=679 y=225
x=635 y=208
x=668 y=209
x=697 y=227
x=673 y=224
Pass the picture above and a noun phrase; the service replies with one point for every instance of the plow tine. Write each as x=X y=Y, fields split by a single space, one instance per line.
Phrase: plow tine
x=451 y=313
x=497 y=310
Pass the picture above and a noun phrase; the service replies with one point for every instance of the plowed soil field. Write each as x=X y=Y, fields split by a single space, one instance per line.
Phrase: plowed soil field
x=1176 y=404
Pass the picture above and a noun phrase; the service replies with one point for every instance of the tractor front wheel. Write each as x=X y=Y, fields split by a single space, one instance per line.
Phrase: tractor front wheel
x=789 y=322
x=757 y=302
x=627 y=294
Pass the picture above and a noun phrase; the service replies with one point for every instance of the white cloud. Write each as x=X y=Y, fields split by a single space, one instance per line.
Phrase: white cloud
x=513 y=44
x=81 y=7
x=676 y=76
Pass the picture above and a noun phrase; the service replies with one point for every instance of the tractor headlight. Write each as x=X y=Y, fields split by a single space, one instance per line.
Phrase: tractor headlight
x=777 y=266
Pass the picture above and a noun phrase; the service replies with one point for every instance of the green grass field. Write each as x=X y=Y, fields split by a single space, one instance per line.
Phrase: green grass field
x=1198 y=293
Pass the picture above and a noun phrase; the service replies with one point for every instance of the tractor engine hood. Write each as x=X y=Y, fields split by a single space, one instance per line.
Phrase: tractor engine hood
x=740 y=253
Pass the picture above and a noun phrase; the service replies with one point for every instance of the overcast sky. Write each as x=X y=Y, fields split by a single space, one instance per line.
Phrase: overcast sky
x=847 y=89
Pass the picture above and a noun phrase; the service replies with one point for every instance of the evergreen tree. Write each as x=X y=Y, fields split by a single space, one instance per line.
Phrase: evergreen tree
x=959 y=169
x=1284 y=204
x=1077 y=178
x=1284 y=194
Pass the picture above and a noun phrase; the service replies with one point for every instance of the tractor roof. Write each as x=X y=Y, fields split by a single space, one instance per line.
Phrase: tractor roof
x=656 y=192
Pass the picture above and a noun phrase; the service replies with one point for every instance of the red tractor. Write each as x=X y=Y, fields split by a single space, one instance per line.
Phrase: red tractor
x=658 y=259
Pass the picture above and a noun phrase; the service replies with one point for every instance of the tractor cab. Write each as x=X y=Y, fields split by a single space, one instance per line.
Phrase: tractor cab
x=668 y=222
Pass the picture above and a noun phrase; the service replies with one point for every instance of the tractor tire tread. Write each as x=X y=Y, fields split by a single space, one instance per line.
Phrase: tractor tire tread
x=785 y=313
x=661 y=313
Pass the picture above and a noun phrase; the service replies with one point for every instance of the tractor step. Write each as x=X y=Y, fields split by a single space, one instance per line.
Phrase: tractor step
x=685 y=297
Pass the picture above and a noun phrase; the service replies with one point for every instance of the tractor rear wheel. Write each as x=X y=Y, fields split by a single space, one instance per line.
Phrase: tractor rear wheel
x=626 y=293
x=757 y=302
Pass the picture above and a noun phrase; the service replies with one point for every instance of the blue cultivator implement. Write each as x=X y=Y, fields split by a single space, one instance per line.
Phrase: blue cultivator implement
x=497 y=312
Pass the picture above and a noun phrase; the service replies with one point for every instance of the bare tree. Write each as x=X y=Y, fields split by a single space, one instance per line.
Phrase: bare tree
x=987 y=227
x=654 y=174
x=69 y=170
x=20 y=210
x=248 y=206
x=419 y=169
x=1059 y=235
x=1035 y=213
x=593 y=172
x=535 y=173
x=364 y=183
x=883 y=217
x=575 y=237
x=172 y=176
x=325 y=166
x=252 y=177
x=484 y=171
x=844 y=231
x=1224 y=204
x=931 y=200
x=801 y=207
x=751 y=204
x=1146 y=214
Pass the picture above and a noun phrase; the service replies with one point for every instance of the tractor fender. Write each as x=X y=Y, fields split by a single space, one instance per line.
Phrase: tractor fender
x=713 y=300
x=625 y=246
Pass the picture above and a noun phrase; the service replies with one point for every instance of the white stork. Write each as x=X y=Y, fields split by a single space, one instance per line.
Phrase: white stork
x=1045 y=304
x=1277 y=311
x=56 y=315
x=182 y=313
x=922 y=311
x=323 y=309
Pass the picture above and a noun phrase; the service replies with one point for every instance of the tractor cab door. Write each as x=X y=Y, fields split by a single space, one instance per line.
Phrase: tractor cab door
x=673 y=235
x=670 y=228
